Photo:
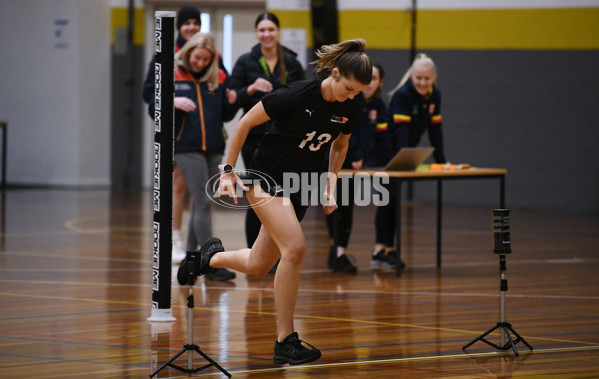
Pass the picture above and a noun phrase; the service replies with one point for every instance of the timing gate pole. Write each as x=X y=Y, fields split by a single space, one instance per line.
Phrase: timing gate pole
x=162 y=200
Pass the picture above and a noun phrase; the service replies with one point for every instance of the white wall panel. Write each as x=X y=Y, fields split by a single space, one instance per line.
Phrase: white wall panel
x=55 y=97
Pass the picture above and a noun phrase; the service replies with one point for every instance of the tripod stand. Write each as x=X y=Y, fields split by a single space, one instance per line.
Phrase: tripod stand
x=504 y=327
x=502 y=242
x=190 y=347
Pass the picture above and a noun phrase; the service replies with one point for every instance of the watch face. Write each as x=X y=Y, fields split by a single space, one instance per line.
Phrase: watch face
x=228 y=168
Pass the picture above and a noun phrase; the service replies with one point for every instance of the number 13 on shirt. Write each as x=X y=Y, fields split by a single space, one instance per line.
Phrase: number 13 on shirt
x=322 y=139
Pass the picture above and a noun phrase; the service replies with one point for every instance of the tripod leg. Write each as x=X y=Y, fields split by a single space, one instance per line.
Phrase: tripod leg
x=506 y=330
x=519 y=338
x=482 y=338
x=169 y=362
x=212 y=362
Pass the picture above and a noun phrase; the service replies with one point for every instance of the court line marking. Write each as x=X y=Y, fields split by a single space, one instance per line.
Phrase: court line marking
x=244 y=311
x=138 y=366
x=351 y=363
x=574 y=260
x=348 y=292
x=74 y=257
x=422 y=358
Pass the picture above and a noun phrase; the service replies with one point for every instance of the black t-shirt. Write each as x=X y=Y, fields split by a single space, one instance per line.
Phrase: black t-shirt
x=304 y=126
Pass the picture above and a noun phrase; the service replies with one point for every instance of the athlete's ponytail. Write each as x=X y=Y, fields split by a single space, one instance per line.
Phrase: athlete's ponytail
x=348 y=57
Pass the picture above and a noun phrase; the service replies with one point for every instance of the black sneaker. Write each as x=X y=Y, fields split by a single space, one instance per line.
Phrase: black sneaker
x=293 y=352
x=391 y=260
x=343 y=264
x=332 y=256
x=220 y=274
x=198 y=263
x=377 y=259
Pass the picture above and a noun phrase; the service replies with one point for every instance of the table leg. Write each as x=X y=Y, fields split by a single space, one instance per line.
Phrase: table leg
x=439 y=218
x=398 y=227
x=502 y=192
x=3 y=155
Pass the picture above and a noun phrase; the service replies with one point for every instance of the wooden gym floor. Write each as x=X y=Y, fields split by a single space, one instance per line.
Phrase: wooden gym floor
x=75 y=276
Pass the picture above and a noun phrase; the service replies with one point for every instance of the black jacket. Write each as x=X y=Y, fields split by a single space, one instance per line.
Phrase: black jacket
x=410 y=115
x=248 y=68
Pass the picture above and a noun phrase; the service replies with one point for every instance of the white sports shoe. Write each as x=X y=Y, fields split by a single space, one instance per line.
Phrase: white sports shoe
x=178 y=253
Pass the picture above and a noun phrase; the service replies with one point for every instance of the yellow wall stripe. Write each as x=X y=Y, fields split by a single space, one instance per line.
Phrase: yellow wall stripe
x=477 y=29
x=382 y=29
x=119 y=18
x=300 y=19
x=565 y=28
x=572 y=28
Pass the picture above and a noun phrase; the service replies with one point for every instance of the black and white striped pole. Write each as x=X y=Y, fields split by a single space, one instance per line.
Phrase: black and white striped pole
x=162 y=199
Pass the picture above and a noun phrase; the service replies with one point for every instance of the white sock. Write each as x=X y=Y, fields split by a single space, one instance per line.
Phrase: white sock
x=176 y=235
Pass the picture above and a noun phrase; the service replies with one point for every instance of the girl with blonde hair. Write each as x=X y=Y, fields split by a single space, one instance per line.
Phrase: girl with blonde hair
x=202 y=103
x=415 y=108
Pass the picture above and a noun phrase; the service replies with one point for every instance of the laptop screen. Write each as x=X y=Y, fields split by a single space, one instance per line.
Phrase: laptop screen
x=409 y=158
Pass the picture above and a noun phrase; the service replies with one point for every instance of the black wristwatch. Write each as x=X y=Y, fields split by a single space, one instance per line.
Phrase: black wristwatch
x=227 y=168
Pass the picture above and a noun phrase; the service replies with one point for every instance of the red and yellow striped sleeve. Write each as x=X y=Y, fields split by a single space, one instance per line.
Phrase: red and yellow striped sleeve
x=382 y=126
x=401 y=118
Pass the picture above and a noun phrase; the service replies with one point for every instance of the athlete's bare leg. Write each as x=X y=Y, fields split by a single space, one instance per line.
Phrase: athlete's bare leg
x=281 y=236
x=179 y=189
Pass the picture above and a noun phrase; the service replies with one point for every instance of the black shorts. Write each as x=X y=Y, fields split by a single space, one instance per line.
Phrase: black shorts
x=274 y=188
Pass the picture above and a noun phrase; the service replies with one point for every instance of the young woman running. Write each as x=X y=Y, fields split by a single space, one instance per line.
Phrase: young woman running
x=308 y=117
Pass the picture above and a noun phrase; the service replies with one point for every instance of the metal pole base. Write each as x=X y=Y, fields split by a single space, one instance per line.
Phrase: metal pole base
x=505 y=327
x=191 y=348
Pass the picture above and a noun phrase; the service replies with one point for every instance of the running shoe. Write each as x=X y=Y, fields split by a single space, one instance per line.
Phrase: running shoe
x=198 y=263
x=343 y=264
x=293 y=352
x=377 y=259
x=391 y=260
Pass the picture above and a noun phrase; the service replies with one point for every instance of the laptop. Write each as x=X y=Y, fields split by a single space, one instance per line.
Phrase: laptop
x=409 y=158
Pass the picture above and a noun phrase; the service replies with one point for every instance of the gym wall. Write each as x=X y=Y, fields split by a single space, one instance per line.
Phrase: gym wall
x=518 y=79
x=55 y=91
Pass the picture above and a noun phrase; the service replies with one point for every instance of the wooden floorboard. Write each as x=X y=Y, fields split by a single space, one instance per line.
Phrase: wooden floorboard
x=75 y=295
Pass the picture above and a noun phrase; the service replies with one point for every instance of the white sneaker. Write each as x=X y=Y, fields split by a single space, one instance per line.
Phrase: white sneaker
x=178 y=253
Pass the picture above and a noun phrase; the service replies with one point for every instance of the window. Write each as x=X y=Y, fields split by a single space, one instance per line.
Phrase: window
x=205 y=23
x=228 y=41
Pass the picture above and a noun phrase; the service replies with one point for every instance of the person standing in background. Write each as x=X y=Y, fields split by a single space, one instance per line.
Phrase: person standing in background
x=368 y=144
x=202 y=103
x=378 y=144
x=268 y=66
x=189 y=22
x=415 y=108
